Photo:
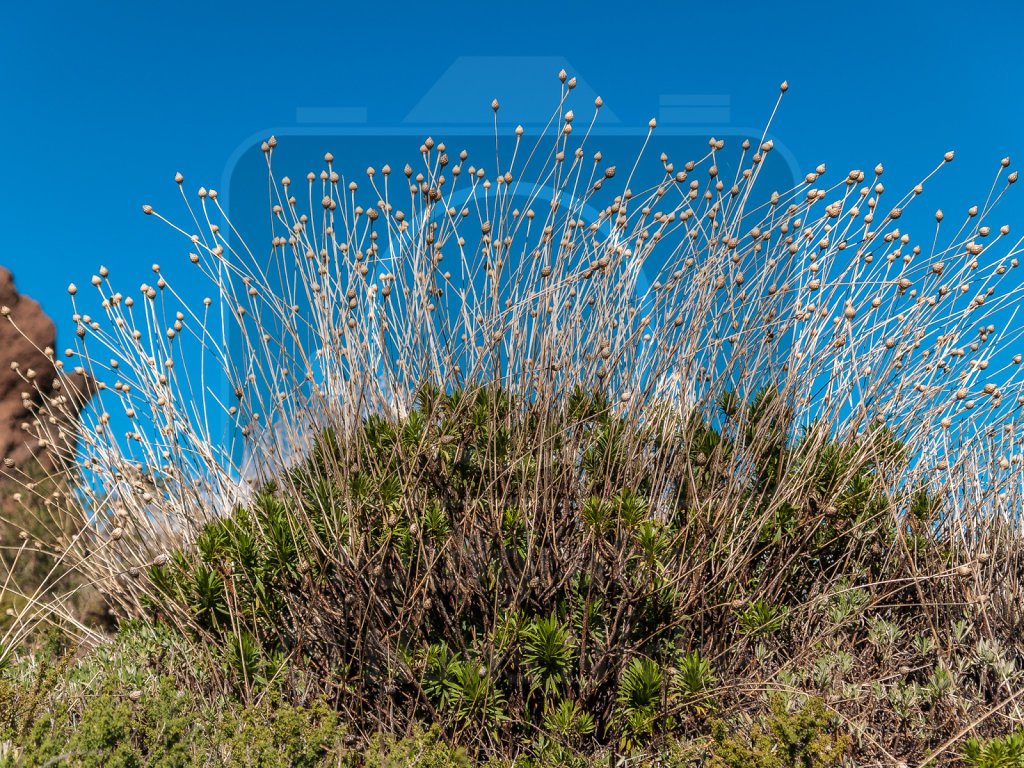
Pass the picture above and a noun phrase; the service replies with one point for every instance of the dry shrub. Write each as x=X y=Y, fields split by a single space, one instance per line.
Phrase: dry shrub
x=504 y=482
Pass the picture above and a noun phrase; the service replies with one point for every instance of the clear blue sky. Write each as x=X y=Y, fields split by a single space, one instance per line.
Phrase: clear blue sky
x=101 y=107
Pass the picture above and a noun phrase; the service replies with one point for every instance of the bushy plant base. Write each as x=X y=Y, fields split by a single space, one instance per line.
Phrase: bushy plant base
x=549 y=583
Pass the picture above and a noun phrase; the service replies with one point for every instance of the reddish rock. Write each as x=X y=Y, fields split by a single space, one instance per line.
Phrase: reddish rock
x=24 y=342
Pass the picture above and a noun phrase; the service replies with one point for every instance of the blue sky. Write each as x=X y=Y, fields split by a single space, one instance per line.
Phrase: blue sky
x=102 y=106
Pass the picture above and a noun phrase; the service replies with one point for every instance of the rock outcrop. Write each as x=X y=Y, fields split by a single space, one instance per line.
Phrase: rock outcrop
x=25 y=369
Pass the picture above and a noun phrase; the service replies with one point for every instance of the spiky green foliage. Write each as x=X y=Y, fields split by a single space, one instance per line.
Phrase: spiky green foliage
x=1006 y=752
x=486 y=564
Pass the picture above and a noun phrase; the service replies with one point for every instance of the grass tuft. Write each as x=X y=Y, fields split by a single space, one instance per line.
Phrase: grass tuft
x=529 y=483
